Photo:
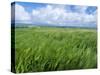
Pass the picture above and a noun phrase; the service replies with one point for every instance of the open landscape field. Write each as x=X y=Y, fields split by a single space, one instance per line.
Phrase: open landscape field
x=52 y=49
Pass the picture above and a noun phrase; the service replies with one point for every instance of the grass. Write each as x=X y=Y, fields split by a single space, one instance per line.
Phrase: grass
x=51 y=49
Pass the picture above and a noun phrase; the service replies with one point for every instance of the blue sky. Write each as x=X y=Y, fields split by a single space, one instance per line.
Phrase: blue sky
x=55 y=14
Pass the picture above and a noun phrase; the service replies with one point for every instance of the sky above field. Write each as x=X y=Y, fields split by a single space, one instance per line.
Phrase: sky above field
x=54 y=14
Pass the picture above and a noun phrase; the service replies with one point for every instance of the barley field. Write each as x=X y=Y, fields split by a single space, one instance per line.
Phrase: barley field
x=40 y=49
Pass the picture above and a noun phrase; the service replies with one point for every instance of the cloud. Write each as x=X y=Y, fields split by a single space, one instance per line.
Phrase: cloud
x=61 y=15
x=21 y=15
x=89 y=18
x=49 y=14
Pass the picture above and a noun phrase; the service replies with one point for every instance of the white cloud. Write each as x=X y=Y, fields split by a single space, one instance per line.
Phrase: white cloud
x=89 y=18
x=50 y=14
x=53 y=14
x=21 y=15
x=60 y=15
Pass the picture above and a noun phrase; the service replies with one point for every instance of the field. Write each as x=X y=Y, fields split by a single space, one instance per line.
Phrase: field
x=51 y=49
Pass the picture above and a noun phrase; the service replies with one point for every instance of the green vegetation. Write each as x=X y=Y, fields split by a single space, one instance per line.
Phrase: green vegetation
x=52 y=49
